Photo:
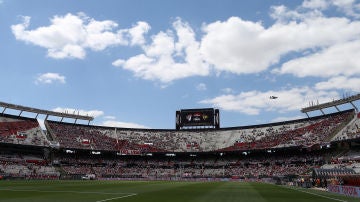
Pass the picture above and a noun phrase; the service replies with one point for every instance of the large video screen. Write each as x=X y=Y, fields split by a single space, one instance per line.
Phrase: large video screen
x=197 y=117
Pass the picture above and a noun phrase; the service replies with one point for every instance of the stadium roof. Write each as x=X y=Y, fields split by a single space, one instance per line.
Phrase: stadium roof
x=45 y=112
x=334 y=103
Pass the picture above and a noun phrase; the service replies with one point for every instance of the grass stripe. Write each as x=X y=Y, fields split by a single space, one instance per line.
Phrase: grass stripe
x=155 y=191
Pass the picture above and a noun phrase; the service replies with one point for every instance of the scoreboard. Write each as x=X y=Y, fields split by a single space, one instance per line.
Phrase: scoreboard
x=197 y=117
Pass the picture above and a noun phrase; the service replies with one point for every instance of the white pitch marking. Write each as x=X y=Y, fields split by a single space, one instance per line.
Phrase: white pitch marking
x=76 y=192
x=109 y=199
x=335 y=199
x=56 y=191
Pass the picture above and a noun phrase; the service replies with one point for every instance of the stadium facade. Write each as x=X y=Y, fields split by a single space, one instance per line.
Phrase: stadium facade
x=287 y=150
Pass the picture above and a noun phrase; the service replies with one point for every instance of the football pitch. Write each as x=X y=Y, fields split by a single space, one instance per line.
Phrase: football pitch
x=159 y=191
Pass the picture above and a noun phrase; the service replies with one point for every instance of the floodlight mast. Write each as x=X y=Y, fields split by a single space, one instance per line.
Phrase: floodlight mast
x=334 y=103
x=45 y=112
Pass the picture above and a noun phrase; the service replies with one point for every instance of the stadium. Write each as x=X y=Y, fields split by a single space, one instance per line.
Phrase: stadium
x=299 y=160
x=182 y=100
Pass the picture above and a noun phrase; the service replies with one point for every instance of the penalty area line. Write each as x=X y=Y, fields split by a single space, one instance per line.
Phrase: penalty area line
x=110 y=199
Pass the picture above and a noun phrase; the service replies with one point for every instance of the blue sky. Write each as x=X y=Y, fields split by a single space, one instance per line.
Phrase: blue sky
x=133 y=63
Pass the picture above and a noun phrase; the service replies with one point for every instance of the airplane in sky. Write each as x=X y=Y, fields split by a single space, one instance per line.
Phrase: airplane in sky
x=273 y=97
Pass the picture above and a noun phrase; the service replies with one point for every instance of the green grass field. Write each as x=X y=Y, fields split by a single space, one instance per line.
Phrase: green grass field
x=112 y=191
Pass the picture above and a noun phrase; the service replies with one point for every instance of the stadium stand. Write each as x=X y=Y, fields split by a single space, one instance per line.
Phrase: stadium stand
x=92 y=138
x=28 y=167
x=21 y=130
x=281 y=150
x=351 y=131
x=305 y=132
x=233 y=166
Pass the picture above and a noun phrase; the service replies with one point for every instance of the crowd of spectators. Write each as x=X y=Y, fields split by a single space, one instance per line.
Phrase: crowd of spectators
x=18 y=130
x=265 y=165
x=93 y=138
x=305 y=132
x=351 y=131
x=140 y=142
x=346 y=160
x=80 y=137
x=27 y=167
x=186 y=167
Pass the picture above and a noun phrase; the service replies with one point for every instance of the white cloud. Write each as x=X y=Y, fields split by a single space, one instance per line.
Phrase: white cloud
x=112 y=123
x=254 y=102
x=118 y=63
x=137 y=33
x=168 y=57
x=311 y=8
x=339 y=59
x=110 y=117
x=341 y=82
x=201 y=87
x=315 y=4
x=94 y=113
x=244 y=47
x=283 y=15
x=349 y=7
x=227 y=90
x=101 y=34
x=69 y=36
x=283 y=118
x=49 y=78
x=233 y=46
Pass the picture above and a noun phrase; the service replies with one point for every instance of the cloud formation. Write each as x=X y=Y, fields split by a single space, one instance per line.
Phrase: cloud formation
x=70 y=36
x=49 y=78
x=340 y=83
x=254 y=102
x=113 y=123
x=201 y=87
x=245 y=47
x=305 y=41
x=336 y=60
x=171 y=55
x=110 y=121
x=94 y=113
x=234 y=45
